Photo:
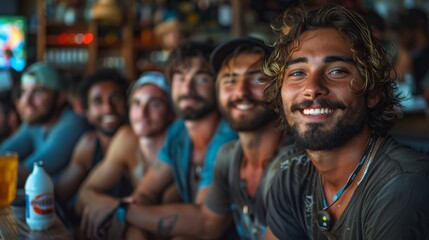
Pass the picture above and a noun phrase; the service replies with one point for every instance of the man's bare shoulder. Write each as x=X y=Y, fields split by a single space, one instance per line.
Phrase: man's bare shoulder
x=84 y=150
x=124 y=145
x=88 y=138
x=124 y=133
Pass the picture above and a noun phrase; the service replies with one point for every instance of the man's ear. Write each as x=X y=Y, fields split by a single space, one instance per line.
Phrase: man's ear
x=61 y=98
x=373 y=100
x=13 y=120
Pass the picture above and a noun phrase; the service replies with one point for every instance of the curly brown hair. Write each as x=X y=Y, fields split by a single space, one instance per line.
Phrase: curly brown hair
x=369 y=54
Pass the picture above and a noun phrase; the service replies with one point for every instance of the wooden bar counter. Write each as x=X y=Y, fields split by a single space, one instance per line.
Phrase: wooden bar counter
x=13 y=227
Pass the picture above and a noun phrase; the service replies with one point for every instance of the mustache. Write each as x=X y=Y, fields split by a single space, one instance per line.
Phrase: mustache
x=249 y=100
x=190 y=97
x=321 y=102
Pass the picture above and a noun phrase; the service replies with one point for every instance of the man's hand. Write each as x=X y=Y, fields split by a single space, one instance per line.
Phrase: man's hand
x=97 y=219
x=115 y=229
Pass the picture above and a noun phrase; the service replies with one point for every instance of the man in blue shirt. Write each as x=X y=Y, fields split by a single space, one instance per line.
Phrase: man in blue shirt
x=50 y=128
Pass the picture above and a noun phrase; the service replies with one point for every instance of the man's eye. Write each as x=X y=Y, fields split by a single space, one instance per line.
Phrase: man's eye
x=135 y=102
x=202 y=79
x=337 y=71
x=155 y=104
x=296 y=74
x=37 y=92
x=96 y=101
x=228 y=81
x=116 y=99
x=22 y=92
x=259 y=80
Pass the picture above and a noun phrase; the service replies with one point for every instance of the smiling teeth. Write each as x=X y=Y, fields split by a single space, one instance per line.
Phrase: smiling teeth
x=318 y=111
x=109 y=118
x=244 y=106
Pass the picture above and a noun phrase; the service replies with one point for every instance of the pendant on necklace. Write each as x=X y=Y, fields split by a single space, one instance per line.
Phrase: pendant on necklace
x=245 y=209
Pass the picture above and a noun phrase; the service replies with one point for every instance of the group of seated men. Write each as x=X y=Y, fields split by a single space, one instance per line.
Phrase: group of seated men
x=241 y=141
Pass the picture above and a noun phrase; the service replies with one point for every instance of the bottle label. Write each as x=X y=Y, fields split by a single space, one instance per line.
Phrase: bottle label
x=42 y=204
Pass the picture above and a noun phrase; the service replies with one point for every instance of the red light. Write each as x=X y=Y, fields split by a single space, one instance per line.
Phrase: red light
x=87 y=38
x=71 y=38
x=63 y=38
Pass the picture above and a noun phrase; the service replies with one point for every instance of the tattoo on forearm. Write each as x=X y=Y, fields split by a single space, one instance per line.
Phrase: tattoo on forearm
x=166 y=225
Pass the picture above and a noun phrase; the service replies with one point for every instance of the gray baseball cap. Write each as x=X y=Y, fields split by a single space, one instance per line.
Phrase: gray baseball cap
x=43 y=74
x=226 y=48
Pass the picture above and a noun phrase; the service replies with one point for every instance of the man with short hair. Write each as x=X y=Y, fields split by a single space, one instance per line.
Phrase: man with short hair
x=103 y=96
x=332 y=80
x=50 y=128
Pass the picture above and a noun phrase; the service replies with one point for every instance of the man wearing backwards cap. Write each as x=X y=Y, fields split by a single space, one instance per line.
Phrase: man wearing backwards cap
x=133 y=149
x=103 y=95
x=243 y=167
x=50 y=128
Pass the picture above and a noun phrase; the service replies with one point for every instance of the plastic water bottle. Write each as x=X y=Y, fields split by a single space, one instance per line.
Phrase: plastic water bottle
x=39 y=197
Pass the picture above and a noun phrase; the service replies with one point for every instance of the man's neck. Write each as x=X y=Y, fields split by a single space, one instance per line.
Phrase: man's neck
x=103 y=139
x=336 y=165
x=258 y=146
x=149 y=146
x=201 y=131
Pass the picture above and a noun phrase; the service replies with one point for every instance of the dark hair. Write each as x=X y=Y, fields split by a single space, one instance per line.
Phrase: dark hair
x=102 y=75
x=368 y=53
x=243 y=49
x=183 y=54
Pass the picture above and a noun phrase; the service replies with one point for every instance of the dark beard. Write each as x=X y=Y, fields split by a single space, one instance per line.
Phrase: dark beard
x=316 y=139
x=46 y=117
x=246 y=124
x=108 y=132
x=195 y=114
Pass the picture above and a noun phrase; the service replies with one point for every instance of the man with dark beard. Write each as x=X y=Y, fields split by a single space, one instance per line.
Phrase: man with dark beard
x=50 y=128
x=192 y=142
x=103 y=95
x=331 y=78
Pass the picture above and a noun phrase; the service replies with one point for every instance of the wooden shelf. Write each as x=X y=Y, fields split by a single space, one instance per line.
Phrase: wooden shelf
x=56 y=43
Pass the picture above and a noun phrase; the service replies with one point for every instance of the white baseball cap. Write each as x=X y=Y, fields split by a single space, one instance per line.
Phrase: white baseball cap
x=152 y=77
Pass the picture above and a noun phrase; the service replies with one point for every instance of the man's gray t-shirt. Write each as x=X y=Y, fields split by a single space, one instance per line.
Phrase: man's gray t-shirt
x=391 y=202
x=228 y=192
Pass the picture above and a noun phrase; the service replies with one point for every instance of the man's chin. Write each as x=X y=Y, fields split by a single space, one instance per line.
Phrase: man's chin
x=109 y=131
x=31 y=121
